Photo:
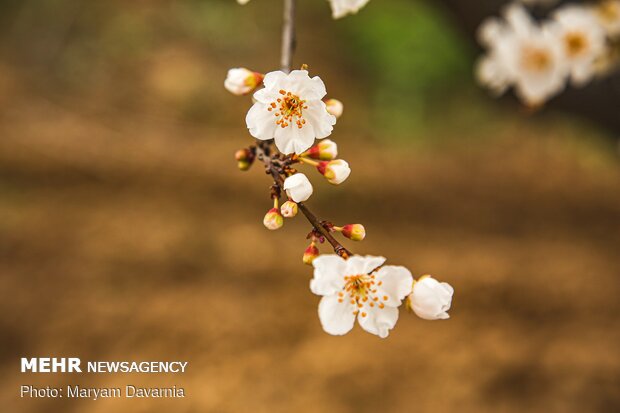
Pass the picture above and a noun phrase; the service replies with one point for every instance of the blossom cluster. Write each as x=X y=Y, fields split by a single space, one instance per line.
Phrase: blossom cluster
x=538 y=58
x=340 y=8
x=290 y=111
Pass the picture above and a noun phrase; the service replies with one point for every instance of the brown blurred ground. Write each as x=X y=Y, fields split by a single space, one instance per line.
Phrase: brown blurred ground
x=137 y=239
x=126 y=233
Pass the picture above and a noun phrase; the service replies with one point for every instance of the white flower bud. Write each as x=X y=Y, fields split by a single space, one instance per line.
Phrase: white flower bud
x=334 y=107
x=241 y=81
x=298 y=187
x=336 y=171
x=431 y=299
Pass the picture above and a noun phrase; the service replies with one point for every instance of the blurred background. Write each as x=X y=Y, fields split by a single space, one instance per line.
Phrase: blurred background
x=127 y=233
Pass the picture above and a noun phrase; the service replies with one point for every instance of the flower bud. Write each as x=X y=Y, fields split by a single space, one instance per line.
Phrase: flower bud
x=334 y=107
x=325 y=150
x=310 y=254
x=355 y=232
x=273 y=219
x=431 y=299
x=298 y=187
x=336 y=171
x=241 y=81
x=289 y=209
x=244 y=158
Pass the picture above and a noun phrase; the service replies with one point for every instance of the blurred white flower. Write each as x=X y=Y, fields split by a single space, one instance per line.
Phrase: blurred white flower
x=431 y=299
x=341 y=8
x=608 y=14
x=241 y=81
x=583 y=41
x=290 y=110
x=298 y=187
x=335 y=107
x=491 y=73
x=336 y=171
x=522 y=54
x=353 y=288
x=243 y=1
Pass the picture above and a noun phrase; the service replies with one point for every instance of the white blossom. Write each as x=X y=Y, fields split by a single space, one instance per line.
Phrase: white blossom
x=335 y=107
x=243 y=1
x=608 y=14
x=289 y=110
x=582 y=39
x=298 y=187
x=355 y=288
x=431 y=299
x=341 y=8
x=522 y=54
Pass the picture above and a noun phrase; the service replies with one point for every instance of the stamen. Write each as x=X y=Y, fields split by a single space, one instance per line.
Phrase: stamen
x=290 y=109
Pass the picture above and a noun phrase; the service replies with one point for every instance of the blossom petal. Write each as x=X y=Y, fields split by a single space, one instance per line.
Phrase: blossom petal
x=378 y=321
x=337 y=318
x=358 y=264
x=272 y=79
x=320 y=119
x=266 y=96
x=299 y=83
x=260 y=122
x=318 y=89
x=328 y=274
x=293 y=139
x=396 y=284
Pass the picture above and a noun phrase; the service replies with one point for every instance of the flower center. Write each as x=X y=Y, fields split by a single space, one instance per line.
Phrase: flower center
x=361 y=289
x=536 y=59
x=288 y=109
x=575 y=43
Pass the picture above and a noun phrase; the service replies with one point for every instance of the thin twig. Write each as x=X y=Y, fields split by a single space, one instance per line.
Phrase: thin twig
x=263 y=149
x=263 y=154
x=288 y=36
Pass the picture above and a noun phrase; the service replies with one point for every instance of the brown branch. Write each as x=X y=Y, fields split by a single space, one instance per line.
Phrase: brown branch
x=263 y=149
x=288 y=36
x=263 y=153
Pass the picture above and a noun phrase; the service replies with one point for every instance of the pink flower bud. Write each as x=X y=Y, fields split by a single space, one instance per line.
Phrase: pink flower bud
x=355 y=232
x=334 y=107
x=241 y=81
x=336 y=171
x=310 y=254
x=325 y=150
x=289 y=209
x=273 y=219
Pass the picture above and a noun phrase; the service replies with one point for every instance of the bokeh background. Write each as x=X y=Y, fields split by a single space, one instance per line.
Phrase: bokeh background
x=127 y=233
